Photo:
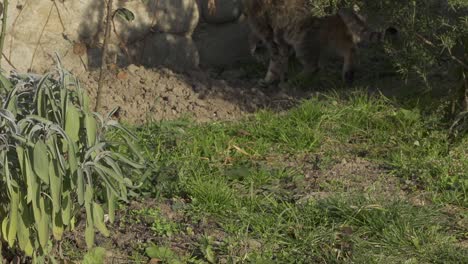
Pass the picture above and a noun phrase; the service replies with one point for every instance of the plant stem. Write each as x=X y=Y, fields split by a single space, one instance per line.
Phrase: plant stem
x=4 y=24
x=104 y=55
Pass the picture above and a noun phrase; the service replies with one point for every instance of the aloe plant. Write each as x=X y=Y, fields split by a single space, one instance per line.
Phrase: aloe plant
x=55 y=159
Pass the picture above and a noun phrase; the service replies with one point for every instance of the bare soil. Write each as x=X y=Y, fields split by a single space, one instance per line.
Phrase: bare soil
x=161 y=94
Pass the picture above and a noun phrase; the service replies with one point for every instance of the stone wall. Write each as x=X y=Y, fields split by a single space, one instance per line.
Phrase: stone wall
x=181 y=34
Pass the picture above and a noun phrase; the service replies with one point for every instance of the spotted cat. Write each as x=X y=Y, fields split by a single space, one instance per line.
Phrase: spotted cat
x=285 y=24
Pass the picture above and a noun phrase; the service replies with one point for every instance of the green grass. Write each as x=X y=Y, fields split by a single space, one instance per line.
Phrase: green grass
x=242 y=176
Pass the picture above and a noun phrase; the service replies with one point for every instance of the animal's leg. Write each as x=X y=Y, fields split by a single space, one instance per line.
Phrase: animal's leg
x=348 y=66
x=308 y=54
x=253 y=43
x=263 y=31
x=275 y=66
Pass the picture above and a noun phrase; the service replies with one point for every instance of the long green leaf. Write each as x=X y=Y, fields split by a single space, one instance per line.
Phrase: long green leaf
x=89 y=236
x=5 y=83
x=89 y=231
x=114 y=174
x=23 y=235
x=41 y=161
x=5 y=222
x=91 y=129
x=111 y=205
x=98 y=219
x=66 y=206
x=13 y=223
x=127 y=161
x=55 y=185
x=43 y=225
x=108 y=182
x=72 y=122
x=80 y=186
x=57 y=226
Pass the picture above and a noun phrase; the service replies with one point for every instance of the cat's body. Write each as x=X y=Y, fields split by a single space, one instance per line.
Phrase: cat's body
x=285 y=24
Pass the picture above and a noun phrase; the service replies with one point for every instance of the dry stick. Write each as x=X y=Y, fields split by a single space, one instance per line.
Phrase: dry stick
x=4 y=21
x=13 y=26
x=104 y=54
x=40 y=37
x=65 y=36
x=9 y=62
x=59 y=16
x=122 y=44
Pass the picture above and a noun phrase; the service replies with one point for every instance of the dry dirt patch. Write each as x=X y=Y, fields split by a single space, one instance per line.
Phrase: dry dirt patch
x=162 y=94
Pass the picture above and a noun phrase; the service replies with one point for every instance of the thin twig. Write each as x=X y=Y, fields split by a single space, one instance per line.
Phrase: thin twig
x=104 y=54
x=13 y=28
x=40 y=36
x=428 y=42
x=9 y=62
x=59 y=16
x=122 y=44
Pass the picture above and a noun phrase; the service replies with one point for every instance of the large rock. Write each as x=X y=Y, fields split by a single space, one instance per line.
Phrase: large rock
x=163 y=16
x=175 y=16
x=226 y=11
x=174 y=51
x=36 y=31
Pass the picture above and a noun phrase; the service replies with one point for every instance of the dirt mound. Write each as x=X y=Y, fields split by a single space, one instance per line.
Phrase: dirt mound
x=161 y=94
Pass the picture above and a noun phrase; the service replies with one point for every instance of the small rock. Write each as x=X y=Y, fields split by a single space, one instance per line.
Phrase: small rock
x=132 y=68
x=154 y=261
x=122 y=75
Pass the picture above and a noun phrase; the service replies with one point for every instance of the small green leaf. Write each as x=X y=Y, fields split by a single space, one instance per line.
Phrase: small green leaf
x=209 y=254
x=5 y=84
x=125 y=14
x=4 y=227
x=13 y=106
x=163 y=253
x=94 y=256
